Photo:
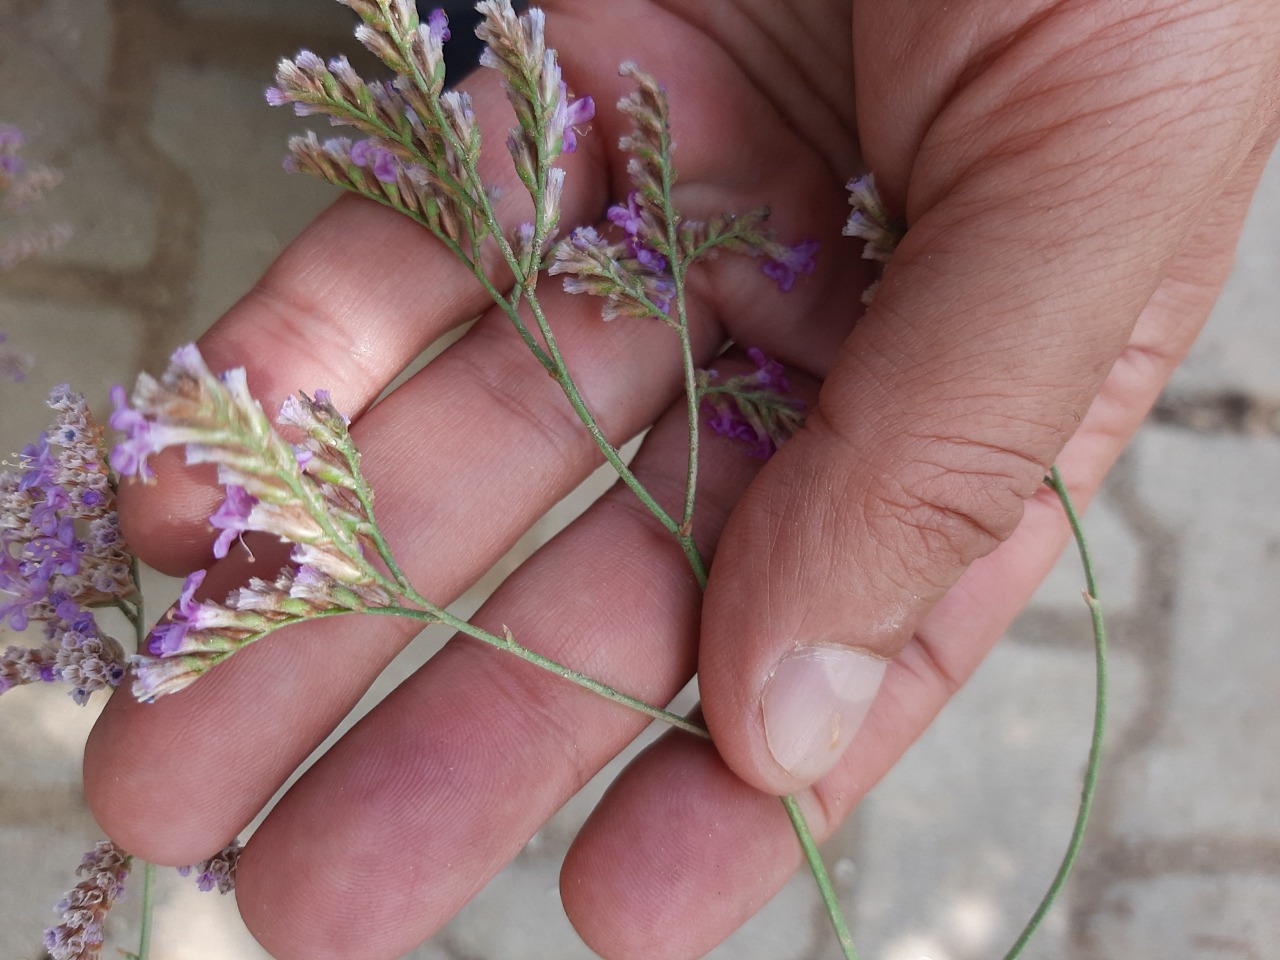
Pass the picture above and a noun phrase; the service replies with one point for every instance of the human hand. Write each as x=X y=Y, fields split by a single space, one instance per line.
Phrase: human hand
x=411 y=788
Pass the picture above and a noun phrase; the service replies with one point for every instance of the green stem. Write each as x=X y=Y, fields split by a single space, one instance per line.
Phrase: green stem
x=148 y=909
x=510 y=645
x=825 y=888
x=1054 y=481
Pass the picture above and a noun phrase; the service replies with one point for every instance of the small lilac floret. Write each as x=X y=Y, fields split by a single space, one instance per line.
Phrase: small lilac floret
x=385 y=165
x=39 y=464
x=793 y=262
x=647 y=257
x=275 y=97
x=232 y=518
x=166 y=638
x=438 y=25
x=627 y=218
x=58 y=552
x=586 y=238
x=577 y=113
x=661 y=291
x=770 y=374
x=46 y=514
x=129 y=456
x=361 y=152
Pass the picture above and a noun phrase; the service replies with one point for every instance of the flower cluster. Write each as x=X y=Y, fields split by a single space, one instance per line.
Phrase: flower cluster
x=755 y=408
x=515 y=46
x=84 y=908
x=420 y=143
x=309 y=494
x=416 y=140
x=630 y=276
x=870 y=221
x=218 y=872
x=61 y=553
x=638 y=274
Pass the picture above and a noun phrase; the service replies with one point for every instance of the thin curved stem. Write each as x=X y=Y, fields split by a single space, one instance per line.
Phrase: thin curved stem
x=1054 y=481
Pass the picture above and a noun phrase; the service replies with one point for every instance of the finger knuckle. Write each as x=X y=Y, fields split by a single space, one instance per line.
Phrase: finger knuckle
x=959 y=498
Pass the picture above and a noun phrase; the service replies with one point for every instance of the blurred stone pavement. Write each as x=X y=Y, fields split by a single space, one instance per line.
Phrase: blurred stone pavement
x=153 y=111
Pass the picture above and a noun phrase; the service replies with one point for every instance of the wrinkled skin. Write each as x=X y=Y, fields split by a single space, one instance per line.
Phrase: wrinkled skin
x=1074 y=174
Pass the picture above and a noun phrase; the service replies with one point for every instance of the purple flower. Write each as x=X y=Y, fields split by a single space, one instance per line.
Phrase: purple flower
x=39 y=464
x=770 y=374
x=647 y=257
x=575 y=114
x=361 y=152
x=45 y=515
x=385 y=165
x=756 y=408
x=438 y=26
x=17 y=611
x=660 y=290
x=58 y=552
x=232 y=518
x=166 y=638
x=129 y=456
x=627 y=218
x=792 y=261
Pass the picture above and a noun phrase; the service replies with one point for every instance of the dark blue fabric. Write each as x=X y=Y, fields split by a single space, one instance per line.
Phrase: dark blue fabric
x=462 y=51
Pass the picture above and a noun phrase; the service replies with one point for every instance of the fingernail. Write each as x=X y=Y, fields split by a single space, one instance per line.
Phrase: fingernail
x=814 y=703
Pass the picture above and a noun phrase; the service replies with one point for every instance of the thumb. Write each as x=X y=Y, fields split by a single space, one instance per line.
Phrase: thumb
x=1039 y=231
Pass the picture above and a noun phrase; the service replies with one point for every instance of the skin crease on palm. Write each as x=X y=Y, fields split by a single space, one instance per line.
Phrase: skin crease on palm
x=1074 y=175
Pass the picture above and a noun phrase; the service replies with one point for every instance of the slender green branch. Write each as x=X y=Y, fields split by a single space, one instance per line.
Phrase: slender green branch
x=557 y=366
x=819 y=870
x=1054 y=481
x=148 y=909
x=691 y=418
x=509 y=644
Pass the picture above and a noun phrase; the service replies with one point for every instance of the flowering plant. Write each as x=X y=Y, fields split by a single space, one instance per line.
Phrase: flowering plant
x=299 y=478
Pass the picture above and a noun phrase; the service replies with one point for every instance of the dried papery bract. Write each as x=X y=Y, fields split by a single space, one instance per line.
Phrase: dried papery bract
x=217 y=872
x=870 y=221
x=84 y=909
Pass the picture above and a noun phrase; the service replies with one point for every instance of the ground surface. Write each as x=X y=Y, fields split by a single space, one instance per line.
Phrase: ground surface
x=153 y=111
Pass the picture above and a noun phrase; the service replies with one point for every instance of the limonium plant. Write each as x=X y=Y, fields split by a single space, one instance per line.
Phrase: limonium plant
x=414 y=147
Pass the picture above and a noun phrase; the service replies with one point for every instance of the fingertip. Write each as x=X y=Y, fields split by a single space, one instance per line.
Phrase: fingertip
x=679 y=845
x=165 y=523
